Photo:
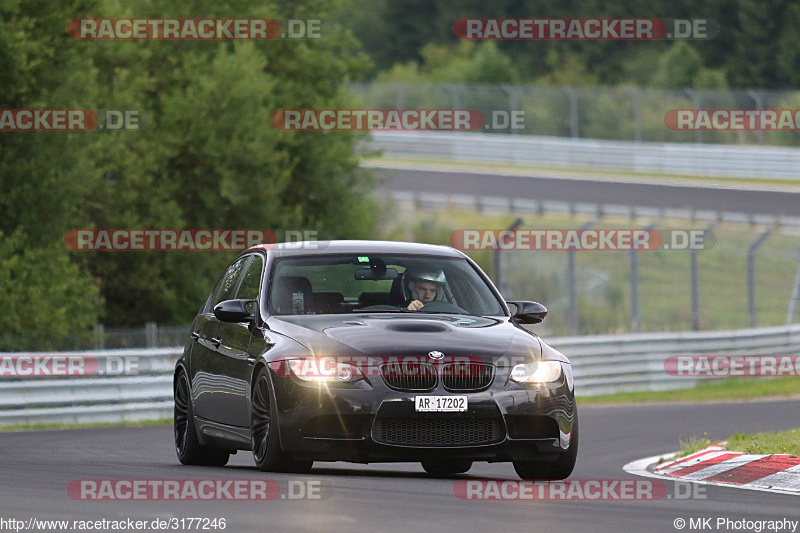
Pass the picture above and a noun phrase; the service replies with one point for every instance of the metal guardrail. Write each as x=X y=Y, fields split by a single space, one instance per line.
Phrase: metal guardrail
x=734 y=161
x=487 y=203
x=106 y=386
x=602 y=364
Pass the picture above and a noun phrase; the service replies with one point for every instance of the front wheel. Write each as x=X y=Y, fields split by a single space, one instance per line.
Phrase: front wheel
x=187 y=446
x=559 y=469
x=267 y=451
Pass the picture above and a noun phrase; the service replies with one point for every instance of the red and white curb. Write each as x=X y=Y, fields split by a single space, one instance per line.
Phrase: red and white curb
x=717 y=466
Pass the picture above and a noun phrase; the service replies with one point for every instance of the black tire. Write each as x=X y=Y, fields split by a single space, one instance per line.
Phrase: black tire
x=559 y=469
x=446 y=466
x=264 y=438
x=187 y=446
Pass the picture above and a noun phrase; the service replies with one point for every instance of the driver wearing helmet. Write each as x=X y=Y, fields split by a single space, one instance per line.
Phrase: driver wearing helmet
x=423 y=286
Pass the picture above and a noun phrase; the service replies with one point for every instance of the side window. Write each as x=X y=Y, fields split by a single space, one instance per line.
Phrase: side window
x=226 y=288
x=251 y=282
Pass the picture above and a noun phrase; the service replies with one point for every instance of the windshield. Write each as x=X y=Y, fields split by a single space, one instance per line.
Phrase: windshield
x=379 y=283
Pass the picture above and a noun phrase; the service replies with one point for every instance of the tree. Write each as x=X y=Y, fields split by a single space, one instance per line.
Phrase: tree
x=207 y=156
x=46 y=298
x=766 y=47
x=210 y=158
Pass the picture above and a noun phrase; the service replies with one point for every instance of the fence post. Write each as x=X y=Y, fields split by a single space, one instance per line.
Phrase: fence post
x=634 y=291
x=759 y=105
x=637 y=113
x=573 y=287
x=751 y=266
x=497 y=266
x=99 y=336
x=698 y=135
x=695 y=282
x=151 y=334
x=513 y=104
x=399 y=96
x=795 y=293
x=573 y=111
x=635 y=287
x=456 y=98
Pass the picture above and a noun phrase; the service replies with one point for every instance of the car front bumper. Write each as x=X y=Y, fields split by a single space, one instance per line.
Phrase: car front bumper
x=370 y=422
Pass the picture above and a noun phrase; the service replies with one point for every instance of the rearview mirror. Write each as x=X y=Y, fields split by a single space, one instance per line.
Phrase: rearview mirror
x=235 y=310
x=375 y=275
x=528 y=312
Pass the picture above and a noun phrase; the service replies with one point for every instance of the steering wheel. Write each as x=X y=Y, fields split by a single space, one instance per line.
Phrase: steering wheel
x=441 y=307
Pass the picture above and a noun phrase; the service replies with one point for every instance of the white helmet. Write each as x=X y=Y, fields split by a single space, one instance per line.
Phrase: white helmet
x=414 y=275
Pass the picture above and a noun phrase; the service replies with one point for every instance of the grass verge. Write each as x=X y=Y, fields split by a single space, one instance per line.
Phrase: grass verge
x=779 y=442
x=688 y=447
x=88 y=425
x=732 y=389
x=766 y=443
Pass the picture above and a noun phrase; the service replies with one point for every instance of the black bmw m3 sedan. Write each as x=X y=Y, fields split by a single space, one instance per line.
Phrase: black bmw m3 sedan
x=367 y=351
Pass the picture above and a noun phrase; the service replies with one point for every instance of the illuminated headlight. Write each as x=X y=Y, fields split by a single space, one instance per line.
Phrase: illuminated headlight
x=324 y=370
x=537 y=372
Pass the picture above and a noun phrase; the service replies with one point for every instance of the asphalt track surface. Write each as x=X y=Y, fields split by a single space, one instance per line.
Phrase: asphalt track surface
x=594 y=191
x=38 y=466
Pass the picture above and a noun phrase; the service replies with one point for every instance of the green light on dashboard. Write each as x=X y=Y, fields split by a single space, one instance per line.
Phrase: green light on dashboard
x=363 y=259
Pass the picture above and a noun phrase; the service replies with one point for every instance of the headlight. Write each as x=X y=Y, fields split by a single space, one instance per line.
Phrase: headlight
x=324 y=370
x=537 y=372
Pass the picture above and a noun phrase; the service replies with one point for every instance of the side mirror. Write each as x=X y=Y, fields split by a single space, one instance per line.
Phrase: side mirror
x=528 y=312
x=235 y=310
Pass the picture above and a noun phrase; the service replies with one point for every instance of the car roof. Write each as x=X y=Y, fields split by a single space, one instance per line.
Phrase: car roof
x=307 y=248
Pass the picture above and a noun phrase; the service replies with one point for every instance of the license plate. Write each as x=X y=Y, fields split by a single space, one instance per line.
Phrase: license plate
x=440 y=404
